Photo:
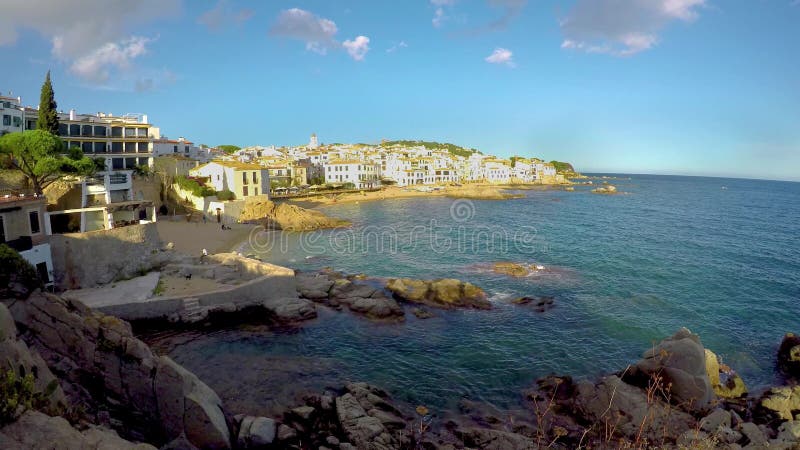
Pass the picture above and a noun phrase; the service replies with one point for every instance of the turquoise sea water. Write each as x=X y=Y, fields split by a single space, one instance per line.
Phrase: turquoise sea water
x=719 y=256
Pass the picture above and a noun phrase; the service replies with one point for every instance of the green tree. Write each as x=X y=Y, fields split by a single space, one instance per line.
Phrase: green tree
x=37 y=155
x=48 y=115
x=227 y=148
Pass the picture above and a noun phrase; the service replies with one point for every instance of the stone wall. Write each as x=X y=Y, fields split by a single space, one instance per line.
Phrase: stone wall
x=84 y=260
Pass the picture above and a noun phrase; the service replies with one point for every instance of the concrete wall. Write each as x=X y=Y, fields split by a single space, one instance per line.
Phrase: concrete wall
x=253 y=292
x=84 y=260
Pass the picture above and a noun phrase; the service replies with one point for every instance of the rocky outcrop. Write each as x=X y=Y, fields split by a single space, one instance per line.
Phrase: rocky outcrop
x=489 y=439
x=725 y=382
x=35 y=430
x=779 y=403
x=256 y=432
x=15 y=356
x=517 y=270
x=677 y=366
x=605 y=190
x=368 y=420
x=337 y=290
x=110 y=374
x=541 y=304
x=442 y=293
x=789 y=355
x=283 y=216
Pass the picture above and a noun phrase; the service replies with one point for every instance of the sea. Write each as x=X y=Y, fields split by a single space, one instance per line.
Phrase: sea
x=718 y=256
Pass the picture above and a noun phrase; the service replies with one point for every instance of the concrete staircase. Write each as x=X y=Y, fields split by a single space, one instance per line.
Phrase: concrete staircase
x=192 y=311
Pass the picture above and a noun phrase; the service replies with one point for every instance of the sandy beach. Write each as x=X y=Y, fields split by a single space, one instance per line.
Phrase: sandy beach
x=470 y=191
x=192 y=237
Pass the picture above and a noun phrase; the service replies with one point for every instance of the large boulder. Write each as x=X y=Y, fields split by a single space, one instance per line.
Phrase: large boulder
x=781 y=403
x=290 y=309
x=34 y=430
x=441 y=293
x=256 y=432
x=106 y=371
x=676 y=367
x=629 y=409
x=17 y=357
x=724 y=380
x=489 y=439
x=188 y=406
x=368 y=420
x=789 y=355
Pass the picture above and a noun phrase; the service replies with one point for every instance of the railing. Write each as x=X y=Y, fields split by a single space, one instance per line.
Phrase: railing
x=118 y=178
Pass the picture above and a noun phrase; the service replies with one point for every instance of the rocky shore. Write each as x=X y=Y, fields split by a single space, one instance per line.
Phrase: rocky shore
x=287 y=217
x=79 y=377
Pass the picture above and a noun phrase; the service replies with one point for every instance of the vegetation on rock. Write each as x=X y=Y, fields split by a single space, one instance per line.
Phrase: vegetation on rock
x=18 y=278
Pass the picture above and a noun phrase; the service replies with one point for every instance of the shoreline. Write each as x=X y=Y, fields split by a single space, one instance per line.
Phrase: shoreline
x=477 y=191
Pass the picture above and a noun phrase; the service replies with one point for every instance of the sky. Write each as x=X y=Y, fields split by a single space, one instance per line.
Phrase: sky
x=694 y=87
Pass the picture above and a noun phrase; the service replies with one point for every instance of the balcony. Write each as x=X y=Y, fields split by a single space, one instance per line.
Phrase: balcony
x=118 y=178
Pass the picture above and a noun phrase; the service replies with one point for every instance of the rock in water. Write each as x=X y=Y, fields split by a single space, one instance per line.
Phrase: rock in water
x=283 y=216
x=789 y=355
x=725 y=382
x=442 y=293
x=678 y=364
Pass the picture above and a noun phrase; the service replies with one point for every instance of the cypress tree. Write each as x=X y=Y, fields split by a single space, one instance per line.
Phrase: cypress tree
x=48 y=115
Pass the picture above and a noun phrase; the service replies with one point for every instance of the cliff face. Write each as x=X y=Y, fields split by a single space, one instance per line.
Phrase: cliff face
x=115 y=378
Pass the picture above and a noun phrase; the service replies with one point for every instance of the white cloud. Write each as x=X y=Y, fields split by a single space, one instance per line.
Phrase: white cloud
x=84 y=32
x=96 y=65
x=501 y=56
x=622 y=27
x=318 y=33
x=439 y=14
x=357 y=48
x=222 y=15
x=396 y=47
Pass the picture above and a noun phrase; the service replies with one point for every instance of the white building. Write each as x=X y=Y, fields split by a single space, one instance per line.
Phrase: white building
x=181 y=147
x=243 y=179
x=12 y=115
x=313 y=143
x=362 y=174
x=21 y=228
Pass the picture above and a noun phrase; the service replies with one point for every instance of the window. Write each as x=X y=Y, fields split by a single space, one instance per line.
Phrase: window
x=99 y=131
x=100 y=147
x=244 y=191
x=255 y=191
x=255 y=179
x=144 y=161
x=33 y=218
x=116 y=147
x=130 y=147
x=6 y=120
x=244 y=179
x=86 y=130
x=87 y=147
x=141 y=132
x=116 y=163
x=174 y=149
x=116 y=131
x=142 y=147
x=17 y=121
x=63 y=129
x=130 y=163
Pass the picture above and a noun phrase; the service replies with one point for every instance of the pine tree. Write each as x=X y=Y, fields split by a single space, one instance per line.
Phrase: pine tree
x=48 y=115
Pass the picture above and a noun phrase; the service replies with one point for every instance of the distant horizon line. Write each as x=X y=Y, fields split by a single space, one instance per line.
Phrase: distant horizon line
x=722 y=177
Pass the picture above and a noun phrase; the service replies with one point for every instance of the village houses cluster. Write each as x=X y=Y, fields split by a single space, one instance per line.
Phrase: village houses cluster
x=129 y=145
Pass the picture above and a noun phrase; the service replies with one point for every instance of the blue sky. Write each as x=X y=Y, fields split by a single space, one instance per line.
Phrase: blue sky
x=701 y=87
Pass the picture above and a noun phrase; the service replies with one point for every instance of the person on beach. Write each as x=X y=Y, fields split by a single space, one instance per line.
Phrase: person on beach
x=203 y=255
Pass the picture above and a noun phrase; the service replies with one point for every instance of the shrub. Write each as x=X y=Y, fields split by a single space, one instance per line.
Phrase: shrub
x=18 y=394
x=194 y=186
x=18 y=278
x=226 y=195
